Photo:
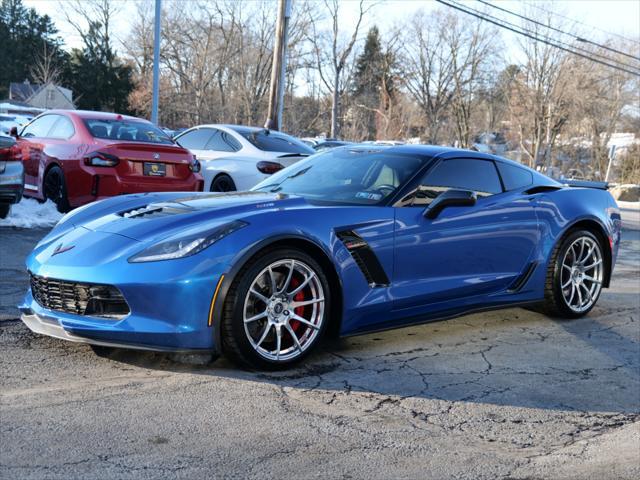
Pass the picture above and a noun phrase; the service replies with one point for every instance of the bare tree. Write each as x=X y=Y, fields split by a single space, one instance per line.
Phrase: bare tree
x=333 y=54
x=45 y=68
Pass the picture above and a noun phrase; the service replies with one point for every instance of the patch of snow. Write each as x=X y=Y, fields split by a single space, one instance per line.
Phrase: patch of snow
x=29 y=213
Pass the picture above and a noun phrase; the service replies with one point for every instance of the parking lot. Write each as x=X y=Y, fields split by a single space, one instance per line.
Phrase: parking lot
x=510 y=394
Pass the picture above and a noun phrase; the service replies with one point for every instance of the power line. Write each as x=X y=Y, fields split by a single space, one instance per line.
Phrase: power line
x=496 y=22
x=574 y=21
x=575 y=49
x=550 y=27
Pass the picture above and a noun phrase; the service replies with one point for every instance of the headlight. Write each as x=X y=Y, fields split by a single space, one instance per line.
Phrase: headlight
x=184 y=246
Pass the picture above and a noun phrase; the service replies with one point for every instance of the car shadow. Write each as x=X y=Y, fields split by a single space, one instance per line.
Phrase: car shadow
x=511 y=358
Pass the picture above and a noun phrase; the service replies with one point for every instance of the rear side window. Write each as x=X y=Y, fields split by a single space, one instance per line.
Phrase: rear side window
x=514 y=177
x=478 y=176
x=195 y=139
x=63 y=129
x=270 y=141
x=217 y=143
x=40 y=127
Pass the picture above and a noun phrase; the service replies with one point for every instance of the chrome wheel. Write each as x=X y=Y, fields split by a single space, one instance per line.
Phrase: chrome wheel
x=283 y=310
x=582 y=274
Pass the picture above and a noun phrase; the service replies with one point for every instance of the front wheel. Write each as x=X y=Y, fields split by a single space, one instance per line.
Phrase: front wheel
x=575 y=276
x=276 y=311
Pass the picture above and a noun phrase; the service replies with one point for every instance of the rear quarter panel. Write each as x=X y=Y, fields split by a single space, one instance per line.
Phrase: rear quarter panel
x=559 y=211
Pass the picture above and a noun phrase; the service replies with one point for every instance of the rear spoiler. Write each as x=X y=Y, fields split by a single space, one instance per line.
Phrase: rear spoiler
x=586 y=184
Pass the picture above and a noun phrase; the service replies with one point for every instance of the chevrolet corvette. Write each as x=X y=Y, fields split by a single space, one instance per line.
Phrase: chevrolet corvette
x=352 y=240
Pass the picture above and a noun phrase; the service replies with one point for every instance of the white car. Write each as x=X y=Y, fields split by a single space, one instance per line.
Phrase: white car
x=235 y=157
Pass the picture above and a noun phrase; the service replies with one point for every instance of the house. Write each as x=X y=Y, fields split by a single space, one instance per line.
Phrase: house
x=45 y=96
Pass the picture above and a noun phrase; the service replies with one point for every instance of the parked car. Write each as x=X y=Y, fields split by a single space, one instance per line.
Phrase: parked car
x=350 y=240
x=235 y=157
x=326 y=145
x=74 y=157
x=8 y=121
x=11 y=176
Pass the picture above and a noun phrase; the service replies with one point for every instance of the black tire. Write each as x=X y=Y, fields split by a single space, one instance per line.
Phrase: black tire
x=5 y=208
x=235 y=343
x=555 y=304
x=54 y=188
x=223 y=183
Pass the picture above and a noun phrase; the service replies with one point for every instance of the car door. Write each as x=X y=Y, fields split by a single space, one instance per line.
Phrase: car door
x=465 y=251
x=31 y=145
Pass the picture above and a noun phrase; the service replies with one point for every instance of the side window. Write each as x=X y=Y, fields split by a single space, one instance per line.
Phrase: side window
x=232 y=142
x=514 y=177
x=217 y=143
x=195 y=139
x=478 y=176
x=39 y=127
x=63 y=129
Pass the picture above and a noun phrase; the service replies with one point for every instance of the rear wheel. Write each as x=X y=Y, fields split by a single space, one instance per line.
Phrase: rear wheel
x=575 y=275
x=55 y=189
x=276 y=311
x=223 y=183
x=5 y=208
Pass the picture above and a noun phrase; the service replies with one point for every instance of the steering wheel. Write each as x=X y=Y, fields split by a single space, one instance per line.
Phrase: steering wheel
x=385 y=186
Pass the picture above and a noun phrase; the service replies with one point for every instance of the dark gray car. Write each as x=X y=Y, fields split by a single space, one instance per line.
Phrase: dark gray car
x=11 y=177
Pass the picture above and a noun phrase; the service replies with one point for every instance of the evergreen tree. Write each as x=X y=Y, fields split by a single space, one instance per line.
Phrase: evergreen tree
x=23 y=36
x=373 y=85
x=99 y=79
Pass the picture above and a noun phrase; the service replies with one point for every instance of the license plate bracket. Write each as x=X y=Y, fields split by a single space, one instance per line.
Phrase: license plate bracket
x=155 y=169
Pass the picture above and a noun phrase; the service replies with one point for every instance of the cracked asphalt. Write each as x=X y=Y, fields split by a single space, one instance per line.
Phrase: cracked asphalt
x=502 y=395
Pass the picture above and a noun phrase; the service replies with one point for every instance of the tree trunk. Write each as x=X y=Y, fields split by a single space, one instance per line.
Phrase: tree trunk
x=334 y=106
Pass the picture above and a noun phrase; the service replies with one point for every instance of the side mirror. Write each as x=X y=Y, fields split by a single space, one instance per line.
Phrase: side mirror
x=7 y=142
x=450 y=198
x=14 y=132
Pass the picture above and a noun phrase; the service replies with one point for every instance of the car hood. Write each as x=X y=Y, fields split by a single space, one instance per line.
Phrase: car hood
x=163 y=217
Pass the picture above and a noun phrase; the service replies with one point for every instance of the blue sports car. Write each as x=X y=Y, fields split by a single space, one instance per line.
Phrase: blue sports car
x=352 y=240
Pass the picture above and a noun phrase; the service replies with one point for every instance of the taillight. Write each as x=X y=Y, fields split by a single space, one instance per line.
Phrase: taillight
x=269 y=167
x=101 y=159
x=195 y=166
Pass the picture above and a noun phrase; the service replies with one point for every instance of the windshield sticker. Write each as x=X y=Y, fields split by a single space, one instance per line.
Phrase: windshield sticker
x=369 y=195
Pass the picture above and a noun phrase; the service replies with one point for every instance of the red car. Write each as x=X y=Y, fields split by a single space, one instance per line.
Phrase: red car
x=74 y=157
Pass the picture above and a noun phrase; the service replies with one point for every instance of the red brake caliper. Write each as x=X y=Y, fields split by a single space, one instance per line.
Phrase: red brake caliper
x=298 y=297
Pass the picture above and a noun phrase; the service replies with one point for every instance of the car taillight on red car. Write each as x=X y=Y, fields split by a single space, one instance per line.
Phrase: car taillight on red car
x=101 y=159
x=269 y=167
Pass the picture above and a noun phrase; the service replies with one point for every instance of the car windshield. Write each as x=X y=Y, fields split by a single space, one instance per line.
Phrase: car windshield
x=126 y=130
x=270 y=141
x=345 y=175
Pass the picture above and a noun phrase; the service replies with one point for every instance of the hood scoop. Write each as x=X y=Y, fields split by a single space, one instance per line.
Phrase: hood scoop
x=157 y=210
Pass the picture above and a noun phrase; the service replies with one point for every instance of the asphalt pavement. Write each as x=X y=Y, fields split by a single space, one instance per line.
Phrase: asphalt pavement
x=509 y=394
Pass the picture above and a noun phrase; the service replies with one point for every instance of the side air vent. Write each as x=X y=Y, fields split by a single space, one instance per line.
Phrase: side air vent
x=522 y=279
x=365 y=258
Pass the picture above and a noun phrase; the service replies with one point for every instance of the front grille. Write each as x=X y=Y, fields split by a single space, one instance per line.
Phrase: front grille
x=79 y=298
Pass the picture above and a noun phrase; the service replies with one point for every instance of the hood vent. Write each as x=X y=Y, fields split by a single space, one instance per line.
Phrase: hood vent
x=156 y=210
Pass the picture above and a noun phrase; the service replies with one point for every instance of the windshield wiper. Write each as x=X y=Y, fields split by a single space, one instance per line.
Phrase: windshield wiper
x=278 y=186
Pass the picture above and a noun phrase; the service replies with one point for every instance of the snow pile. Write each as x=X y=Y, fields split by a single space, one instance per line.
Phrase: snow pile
x=31 y=214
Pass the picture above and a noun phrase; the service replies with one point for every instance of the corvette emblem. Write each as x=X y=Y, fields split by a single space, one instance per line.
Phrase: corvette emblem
x=156 y=156
x=60 y=249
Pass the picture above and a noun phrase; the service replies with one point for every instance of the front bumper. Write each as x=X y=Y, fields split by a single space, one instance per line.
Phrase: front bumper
x=47 y=325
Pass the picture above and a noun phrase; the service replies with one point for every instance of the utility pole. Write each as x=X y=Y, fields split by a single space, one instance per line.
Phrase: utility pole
x=279 y=67
x=156 y=64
